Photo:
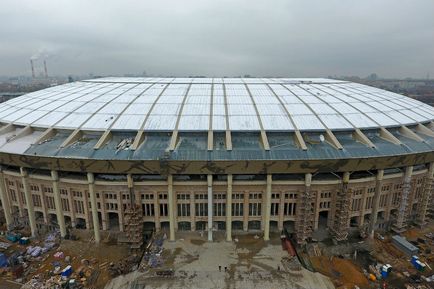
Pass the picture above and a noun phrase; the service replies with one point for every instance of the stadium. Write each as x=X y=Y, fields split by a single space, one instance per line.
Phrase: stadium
x=217 y=154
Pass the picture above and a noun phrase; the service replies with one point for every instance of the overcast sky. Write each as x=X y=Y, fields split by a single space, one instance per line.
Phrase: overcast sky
x=219 y=38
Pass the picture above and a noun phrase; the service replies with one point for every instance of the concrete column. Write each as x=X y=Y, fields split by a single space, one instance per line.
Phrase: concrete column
x=171 y=208
x=192 y=212
x=210 y=207
x=267 y=208
x=246 y=211
x=103 y=211
x=20 y=200
x=58 y=203
x=29 y=201
x=43 y=204
x=130 y=184
x=72 y=211
x=281 y=210
x=121 y=211
x=229 y=210
x=362 y=207
x=86 y=209
x=91 y=181
x=157 y=212
x=376 y=202
x=5 y=200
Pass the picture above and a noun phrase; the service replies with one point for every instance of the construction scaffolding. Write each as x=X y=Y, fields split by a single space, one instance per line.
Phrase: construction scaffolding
x=305 y=214
x=404 y=209
x=422 y=210
x=342 y=215
x=134 y=226
x=133 y=218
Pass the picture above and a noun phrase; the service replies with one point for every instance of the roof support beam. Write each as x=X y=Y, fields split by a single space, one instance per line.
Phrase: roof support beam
x=264 y=140
x=47 y=134
x=211 y=113
x=410 y=134
x=299 y=140
x=228 y=140
x=388 y=136
x=106 y=136
x=420 y=128
x=73 y=137
x=210 y=140
x=331 y=138
x=8 y=128
x=359 y=136
x=173 y=140
x=138 y=140
x=430 y=125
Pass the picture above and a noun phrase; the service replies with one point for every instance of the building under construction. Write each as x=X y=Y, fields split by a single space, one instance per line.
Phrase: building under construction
x=229 y=154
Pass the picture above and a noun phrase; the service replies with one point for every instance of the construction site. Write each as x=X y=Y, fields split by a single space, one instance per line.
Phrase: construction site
x=216 y=183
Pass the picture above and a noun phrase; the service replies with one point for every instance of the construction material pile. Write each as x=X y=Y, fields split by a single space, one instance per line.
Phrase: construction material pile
x=124 y=267
x=153 y=254
x=55 y=282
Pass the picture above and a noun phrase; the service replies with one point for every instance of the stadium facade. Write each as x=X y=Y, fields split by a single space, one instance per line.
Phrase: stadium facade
x=249 y=154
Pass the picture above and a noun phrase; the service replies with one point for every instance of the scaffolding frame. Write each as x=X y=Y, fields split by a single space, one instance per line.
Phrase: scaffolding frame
x=404 y=209
x=424 y=202
x=342 y=213
x=305 y=214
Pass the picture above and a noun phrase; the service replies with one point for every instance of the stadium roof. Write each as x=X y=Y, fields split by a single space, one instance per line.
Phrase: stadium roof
x=214 y=104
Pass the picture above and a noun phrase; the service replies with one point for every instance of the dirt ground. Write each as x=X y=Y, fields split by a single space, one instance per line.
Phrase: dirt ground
x=97 y=255
x=337 y=260
x=250 y=263
x=346 y=272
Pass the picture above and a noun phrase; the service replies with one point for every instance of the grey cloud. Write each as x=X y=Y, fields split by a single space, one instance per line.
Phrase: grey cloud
x=217 y=38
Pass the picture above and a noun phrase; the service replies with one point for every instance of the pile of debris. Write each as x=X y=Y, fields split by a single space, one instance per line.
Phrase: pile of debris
x=124 y=266
x=55 y=282
x=152 y=257
x=124 y=144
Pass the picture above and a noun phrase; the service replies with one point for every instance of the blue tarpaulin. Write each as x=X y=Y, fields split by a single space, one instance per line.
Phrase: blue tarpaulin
x=3 y=260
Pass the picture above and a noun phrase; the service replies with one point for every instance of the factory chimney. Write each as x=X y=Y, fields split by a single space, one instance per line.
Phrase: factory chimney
x=33 y=68
x=45 y=69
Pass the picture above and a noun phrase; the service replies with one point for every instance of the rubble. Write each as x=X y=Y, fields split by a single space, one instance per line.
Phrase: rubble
x=44 y=264
x=377 y=262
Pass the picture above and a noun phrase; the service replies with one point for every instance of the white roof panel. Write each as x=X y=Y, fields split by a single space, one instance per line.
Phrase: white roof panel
x=161 y=122
x=240 y=109
x=276 y=122
x=219 y=122
x=307 y=122
x=360 y=120
x=297 y=109
x=50 y=119
x=129 y=122
x=99 y=121
x=32 y=116
x=73 y=120
x=382 y=118
x=313 y=104
x=194 y=122
x=244 y=122
x=335 y=121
